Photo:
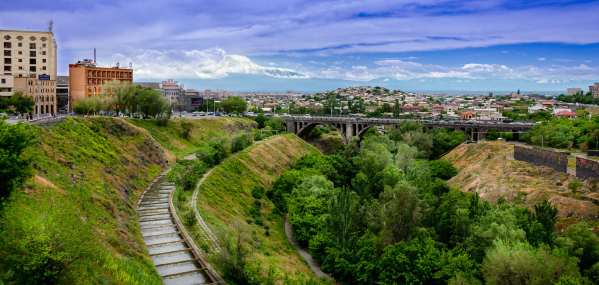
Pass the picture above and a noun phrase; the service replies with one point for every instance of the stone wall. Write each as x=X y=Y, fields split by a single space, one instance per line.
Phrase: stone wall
x=554 y=159
x=587 y=169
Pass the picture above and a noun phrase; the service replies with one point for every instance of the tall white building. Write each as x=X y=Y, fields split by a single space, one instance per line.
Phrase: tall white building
x=173 y=92
x=28 y=64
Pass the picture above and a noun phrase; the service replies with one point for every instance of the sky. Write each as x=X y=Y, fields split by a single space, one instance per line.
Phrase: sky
x=302 y=45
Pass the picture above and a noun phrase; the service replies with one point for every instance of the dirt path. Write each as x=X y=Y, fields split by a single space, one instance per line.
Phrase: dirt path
x=303 y=253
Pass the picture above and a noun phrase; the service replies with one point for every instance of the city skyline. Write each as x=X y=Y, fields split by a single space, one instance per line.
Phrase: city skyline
x=297 y=45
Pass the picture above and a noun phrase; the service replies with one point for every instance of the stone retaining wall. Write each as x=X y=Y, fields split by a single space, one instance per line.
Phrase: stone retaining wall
x=554 y=159
x=587 y=169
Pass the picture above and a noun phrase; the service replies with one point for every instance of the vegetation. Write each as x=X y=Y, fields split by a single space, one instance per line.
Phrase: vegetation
x=234 y=104
x=15 y=165
x=233 y=203
x=582 y=133
x=74 y=222
x=123 y=98
x=587 y=98
x=183 y=136
x=396 y=221
x=17 y=103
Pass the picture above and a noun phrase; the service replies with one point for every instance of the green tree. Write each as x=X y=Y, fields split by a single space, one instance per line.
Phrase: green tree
x=520 y=263
x=22 y=104
x=401 y=212
x=234 y=105
x=308 y=204
x=261 y=120
x=411 y=262
x=151 y=104
x=442 y=169
x=15 y=165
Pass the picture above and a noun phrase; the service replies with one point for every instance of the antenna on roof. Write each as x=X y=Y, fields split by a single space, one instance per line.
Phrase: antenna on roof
x=50 y=26
x=94 y=55
x=130 y=65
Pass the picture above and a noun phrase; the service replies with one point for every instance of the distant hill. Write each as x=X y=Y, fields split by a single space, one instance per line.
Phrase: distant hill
x=488 y=168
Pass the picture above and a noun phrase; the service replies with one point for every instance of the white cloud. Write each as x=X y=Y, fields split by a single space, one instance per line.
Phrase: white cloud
x=204 y=64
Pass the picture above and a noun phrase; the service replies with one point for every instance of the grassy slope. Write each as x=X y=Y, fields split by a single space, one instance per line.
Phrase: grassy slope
x=91 y=172
x=225 y=201
x=489 y=169
x=204 y=130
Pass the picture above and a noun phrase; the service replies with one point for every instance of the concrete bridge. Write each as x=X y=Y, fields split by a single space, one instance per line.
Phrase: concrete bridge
x=354 y=127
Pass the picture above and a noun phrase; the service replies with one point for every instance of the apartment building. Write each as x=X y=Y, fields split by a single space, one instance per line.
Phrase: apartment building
x=86 y=79
x=594 y=89
x=28 y=65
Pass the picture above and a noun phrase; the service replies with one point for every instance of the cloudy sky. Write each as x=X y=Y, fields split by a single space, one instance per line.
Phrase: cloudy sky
x=314 y=45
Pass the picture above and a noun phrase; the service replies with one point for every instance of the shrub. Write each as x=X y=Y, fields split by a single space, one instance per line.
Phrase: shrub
x=241 y=142
x=442 y=169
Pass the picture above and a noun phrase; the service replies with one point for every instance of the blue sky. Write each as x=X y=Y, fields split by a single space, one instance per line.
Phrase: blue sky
x=479 y=45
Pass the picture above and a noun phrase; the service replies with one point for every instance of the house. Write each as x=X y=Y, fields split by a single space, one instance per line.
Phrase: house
x=467 y=115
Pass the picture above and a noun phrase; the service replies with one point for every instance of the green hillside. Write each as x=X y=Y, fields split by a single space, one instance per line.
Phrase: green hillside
x=172 y=136
x=226 y=203
x=74 y=222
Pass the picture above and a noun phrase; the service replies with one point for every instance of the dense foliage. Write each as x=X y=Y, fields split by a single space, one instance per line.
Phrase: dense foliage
x=587 y=98
x=580 y=133
x=382 y=213
x=17 y=103
x=15 y=166
x=234 y=104
x=122 y=98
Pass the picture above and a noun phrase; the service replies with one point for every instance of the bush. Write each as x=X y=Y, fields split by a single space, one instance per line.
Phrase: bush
x=442 y=169
x=241 y=142
x=519 y=263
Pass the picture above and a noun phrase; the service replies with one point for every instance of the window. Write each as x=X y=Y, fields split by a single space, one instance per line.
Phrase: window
x=44 y=52
x=20 y=38
x=32 y=53
x=20 y=52
x=7 y=68
x=7 y=53
x=32 y=46
x=43 y=68
x=7 y=37
x=20 y=68
x=3 y=81
x=7 y=60
x=43 y=60
x=32 y=68
x=44 y=45
x=7 y=45
x=19 y=44
x=20 y=60
x=32 y=61
x=32 y=38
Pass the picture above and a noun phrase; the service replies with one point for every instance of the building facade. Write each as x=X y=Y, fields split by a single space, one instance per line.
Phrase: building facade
x=86 y=79
x=594 y=89
x=62 y=94
x=28 y=65
x=192 y=100
x=174 y=93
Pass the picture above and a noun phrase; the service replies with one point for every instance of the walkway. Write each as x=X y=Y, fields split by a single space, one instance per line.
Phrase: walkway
x=173 y=257
x=207 y=234
x=303 y=253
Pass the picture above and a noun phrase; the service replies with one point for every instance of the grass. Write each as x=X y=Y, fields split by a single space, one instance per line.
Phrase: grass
x=225 y=202
x=88 y=176
x=203 y=130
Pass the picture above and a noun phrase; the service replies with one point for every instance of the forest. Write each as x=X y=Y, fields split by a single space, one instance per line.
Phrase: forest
x=381 y=212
